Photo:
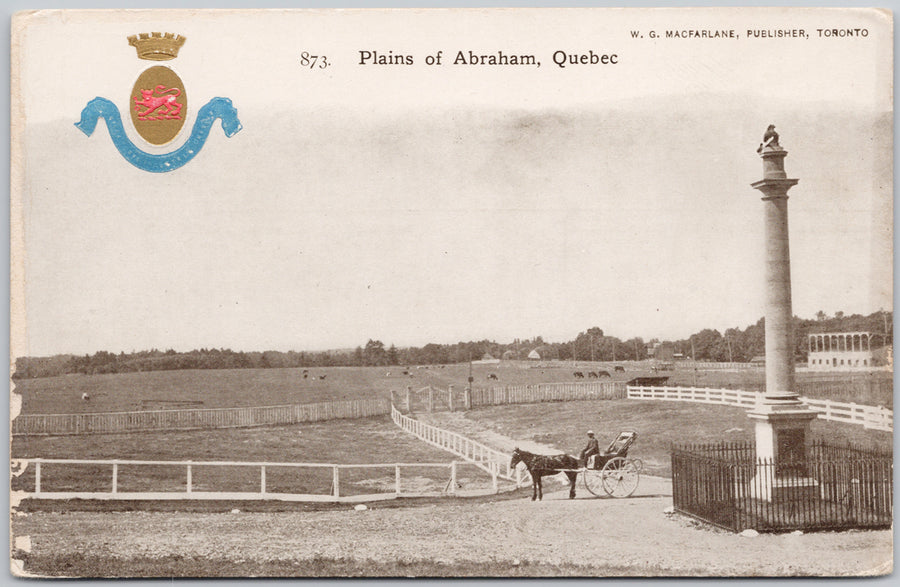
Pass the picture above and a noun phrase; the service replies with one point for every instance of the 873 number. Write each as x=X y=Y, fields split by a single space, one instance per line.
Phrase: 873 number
x=313 y=61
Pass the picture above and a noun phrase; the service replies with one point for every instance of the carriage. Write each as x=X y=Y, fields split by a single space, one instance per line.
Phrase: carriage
x=611 y=472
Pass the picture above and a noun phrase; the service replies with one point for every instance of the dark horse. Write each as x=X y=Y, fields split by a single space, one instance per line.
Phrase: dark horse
x=540 y=465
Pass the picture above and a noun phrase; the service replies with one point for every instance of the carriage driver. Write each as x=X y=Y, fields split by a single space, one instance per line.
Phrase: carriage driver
x=592 y=448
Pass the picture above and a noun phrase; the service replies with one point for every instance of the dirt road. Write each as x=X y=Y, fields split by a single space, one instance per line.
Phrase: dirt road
x=634 y=533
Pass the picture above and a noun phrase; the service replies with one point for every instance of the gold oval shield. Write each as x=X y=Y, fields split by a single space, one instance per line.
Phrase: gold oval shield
x=158 y=105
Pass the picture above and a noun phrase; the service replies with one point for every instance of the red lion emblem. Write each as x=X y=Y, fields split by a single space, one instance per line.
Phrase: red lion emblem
x=158 y=104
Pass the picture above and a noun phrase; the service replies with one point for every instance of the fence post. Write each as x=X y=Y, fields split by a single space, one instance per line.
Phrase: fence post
x=336 y=481
x=37 y=477
x=468 y=397
x=453 y=477
x=397 y=479
x=430 y=399
x=115 y=478
x=494 y=485
x=189 y=489
x=450 y=397
x=409 y=409
x=262 y=480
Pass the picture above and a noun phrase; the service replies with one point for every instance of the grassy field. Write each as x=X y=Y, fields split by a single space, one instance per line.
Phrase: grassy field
x=658 y=424
x=362 y=441
x=227 y=388
x=263 y=387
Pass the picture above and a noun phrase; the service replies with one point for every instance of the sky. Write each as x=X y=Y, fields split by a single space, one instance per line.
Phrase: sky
x=416 y=204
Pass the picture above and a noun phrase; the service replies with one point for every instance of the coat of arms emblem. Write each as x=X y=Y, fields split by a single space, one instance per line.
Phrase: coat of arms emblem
x=158 y=107
x=159 y=100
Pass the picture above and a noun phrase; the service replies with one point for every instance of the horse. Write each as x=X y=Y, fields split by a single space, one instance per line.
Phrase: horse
x=540 y=465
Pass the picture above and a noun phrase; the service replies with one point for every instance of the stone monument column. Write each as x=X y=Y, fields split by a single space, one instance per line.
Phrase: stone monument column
x=782 y=420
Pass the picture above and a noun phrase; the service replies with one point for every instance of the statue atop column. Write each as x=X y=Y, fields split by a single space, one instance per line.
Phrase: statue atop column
x=770 y=140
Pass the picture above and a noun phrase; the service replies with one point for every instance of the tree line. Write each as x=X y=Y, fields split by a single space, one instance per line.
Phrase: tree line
x=734 y=345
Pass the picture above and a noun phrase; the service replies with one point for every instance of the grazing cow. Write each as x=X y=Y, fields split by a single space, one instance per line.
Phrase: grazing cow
x=603 y=374
x=406 y=372
x=388 y=374
x=592 y=374
x=494 y=377
x=620 y=369
x=578 y=375
x=322 y=377
x=85 y=396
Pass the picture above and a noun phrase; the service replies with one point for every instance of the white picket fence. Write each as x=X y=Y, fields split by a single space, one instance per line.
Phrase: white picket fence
x=547 y=392
x=493 y=461
x=194 y=419
x=876 y=418
x=187 y=487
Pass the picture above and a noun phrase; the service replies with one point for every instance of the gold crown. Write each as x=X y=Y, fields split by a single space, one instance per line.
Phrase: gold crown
x=157 y=46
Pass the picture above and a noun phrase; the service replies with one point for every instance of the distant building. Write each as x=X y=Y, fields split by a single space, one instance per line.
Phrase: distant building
x=487 y=359
x=839 y=351
x=661 y=351
x=534 y=355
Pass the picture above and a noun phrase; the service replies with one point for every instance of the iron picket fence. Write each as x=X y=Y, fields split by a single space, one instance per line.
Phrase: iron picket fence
x=832 y=488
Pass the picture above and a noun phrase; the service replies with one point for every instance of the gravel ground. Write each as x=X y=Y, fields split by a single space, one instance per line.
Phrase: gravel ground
x=633 y=532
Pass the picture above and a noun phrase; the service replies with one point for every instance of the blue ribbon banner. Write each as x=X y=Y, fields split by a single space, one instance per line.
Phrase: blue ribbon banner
x=206 y=116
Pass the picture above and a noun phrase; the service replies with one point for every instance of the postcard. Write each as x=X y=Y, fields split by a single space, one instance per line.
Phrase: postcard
x=524 y=292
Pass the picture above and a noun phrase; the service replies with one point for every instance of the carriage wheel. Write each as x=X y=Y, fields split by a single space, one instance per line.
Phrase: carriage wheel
x=592 y=482
x=619 y=477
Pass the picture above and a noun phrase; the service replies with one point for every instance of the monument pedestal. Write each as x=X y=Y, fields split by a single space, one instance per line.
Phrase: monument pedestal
x=782 y=439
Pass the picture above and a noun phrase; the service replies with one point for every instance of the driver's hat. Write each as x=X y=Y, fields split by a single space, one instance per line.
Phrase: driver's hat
x=590 y=432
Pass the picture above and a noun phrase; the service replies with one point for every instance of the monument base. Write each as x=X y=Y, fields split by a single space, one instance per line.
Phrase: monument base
x=783 y=489
x=782 y=438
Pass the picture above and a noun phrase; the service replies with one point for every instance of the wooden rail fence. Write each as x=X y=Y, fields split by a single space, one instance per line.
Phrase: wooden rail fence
x=187 y=487
x=111 y=422
x=877 y=418
x=484 y=457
